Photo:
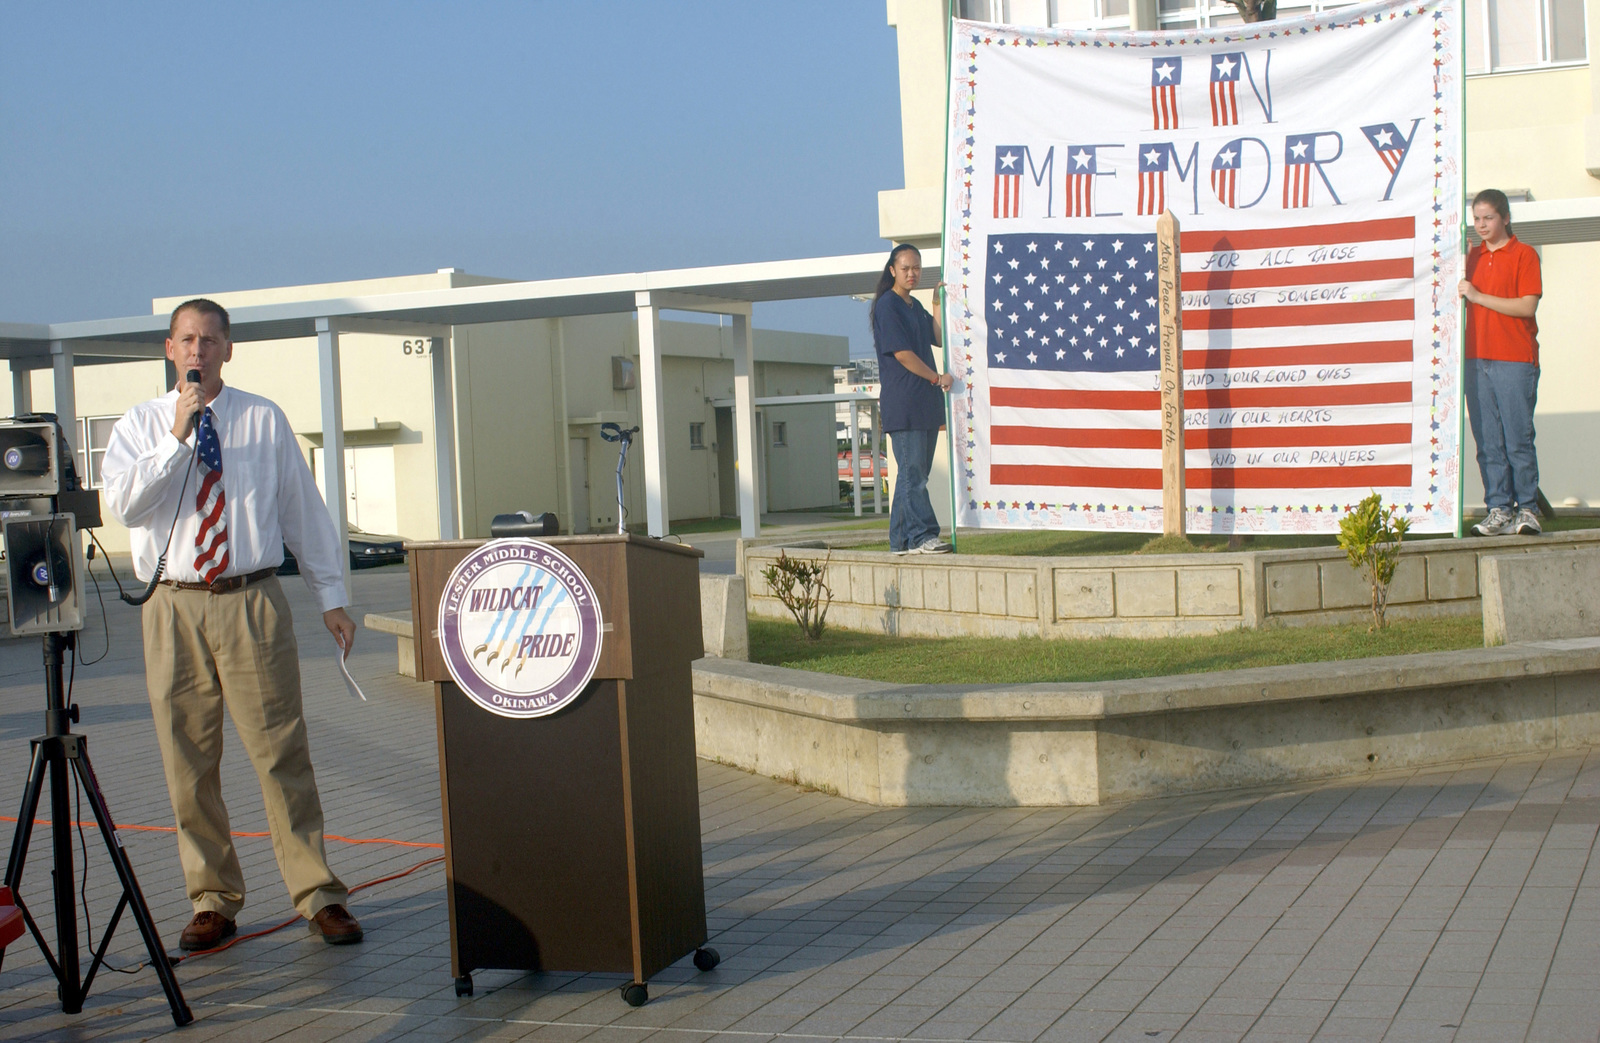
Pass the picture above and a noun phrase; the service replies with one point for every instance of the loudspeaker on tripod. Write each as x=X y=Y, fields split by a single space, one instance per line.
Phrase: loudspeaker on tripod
x=43 y=573
x=29 y=465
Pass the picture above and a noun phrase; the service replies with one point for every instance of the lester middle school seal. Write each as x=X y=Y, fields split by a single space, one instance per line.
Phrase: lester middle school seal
x=520 y=628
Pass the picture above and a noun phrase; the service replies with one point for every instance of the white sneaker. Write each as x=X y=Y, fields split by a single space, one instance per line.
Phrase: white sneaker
x=932 y=546
x=1527 y=523
x=1498 y=523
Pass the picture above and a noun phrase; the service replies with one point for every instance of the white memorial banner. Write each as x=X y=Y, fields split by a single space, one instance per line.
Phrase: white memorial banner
x=1314 y=164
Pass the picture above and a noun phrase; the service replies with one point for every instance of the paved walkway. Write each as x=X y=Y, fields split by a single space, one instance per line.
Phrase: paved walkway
x=1460 y=903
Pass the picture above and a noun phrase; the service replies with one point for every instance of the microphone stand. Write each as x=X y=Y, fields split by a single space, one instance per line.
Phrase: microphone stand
x=618 y=433
x=59 y=755
x=53 y=753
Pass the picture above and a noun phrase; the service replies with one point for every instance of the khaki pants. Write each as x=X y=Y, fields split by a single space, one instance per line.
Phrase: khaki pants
x=204 y=650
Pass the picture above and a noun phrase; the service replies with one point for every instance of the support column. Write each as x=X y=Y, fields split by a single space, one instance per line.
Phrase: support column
x=855 y=455
x=333 y=490
x=563 y=432
x=652 y=408
x=1144 y=14
x=444 y=433
x=66 y=390
x=744 y=424
x=21 y=390
x=877 y=469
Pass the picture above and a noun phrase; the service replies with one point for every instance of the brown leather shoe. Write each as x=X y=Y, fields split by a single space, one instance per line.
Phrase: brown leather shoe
x=336 y=925
x=206 y=931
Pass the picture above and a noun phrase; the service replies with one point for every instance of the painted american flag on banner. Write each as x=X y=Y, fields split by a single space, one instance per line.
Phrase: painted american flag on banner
x=1225 y=71
x=1153 y=162
x=1073 y=355
x=1081 y=175
x=1390 y=144
x=1321 y=340
x=1165 y=76
x=1298 y=169
x=1225 y=173
x=1008 y=181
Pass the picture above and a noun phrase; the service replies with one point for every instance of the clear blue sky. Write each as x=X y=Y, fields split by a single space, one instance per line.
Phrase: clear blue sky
x=168 y=148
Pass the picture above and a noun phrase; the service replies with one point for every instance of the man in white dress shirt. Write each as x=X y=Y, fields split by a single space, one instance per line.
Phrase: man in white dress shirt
x=217 y=629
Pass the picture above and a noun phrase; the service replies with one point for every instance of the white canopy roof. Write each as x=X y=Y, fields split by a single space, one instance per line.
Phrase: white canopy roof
x=723 y=289
x=702 y=289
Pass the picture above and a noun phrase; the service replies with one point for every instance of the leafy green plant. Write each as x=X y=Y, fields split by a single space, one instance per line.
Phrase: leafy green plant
x=1370 y=535
x=799 y=584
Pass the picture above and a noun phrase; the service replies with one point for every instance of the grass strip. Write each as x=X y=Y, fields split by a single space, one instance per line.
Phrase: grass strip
x=690 y=526
x=1054 y=544
x=982 y=660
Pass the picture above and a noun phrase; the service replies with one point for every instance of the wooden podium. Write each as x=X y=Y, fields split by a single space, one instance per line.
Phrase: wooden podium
x=572 y=841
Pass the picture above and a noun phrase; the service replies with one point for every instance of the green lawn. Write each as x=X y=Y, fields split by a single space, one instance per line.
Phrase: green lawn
x=914 y=660
x=1062 y=544
x=1052 y=544
x=688 y=526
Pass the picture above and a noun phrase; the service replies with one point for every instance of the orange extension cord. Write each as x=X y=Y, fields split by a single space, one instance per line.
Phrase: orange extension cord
x=290 y=922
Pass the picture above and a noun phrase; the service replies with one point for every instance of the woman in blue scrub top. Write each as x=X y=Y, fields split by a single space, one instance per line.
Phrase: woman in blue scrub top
x=911 y=398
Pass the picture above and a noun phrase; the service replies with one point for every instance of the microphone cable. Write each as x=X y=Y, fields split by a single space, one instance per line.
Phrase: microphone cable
x=191 y=377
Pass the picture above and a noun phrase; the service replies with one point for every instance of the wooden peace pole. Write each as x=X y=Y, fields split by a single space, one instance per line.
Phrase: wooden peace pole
x=1173 y=500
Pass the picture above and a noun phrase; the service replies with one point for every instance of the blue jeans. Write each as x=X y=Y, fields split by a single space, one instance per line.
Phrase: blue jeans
x=1500 y=401
x=911 y=519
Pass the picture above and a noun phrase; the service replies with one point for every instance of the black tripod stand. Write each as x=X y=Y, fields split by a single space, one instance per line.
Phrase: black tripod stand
x=52 y=752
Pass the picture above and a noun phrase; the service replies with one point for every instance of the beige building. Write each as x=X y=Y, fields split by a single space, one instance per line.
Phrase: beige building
x=527 y=399
x=1533 y=130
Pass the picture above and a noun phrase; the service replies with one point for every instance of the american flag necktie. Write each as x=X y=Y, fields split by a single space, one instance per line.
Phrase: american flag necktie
x=211 y=542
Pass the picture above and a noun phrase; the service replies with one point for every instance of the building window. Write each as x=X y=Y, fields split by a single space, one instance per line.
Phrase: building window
x=780 y=433
x=1063 y=14
x=1114 y=14
x=985 y=11
x=1501 y=35
x=1096 y=14
x=1505 y=35
x=1190 y=14
x=697 y=435
x=93 y=434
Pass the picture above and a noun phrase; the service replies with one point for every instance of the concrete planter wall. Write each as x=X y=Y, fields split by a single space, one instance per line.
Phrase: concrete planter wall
x=1132 y=595
x=1073 y=744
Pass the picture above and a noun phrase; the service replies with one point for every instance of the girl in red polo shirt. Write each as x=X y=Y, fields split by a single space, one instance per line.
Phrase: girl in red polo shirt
x=1502 y=289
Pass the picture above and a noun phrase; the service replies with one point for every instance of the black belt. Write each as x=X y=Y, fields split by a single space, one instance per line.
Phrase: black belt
x=226 y=584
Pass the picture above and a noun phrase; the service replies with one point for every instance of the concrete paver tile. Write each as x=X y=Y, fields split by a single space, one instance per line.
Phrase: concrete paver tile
x=1082 y=1026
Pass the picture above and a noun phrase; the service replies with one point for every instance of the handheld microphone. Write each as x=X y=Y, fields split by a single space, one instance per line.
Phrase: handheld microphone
x=191 y=376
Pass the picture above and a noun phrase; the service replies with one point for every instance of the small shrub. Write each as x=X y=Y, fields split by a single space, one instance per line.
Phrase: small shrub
x=799 y=584
x=1371 y=535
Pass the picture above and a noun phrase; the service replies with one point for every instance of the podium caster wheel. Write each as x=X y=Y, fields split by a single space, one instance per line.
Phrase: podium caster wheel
x=635 y=994
x=707 y=958
x=464 y=985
